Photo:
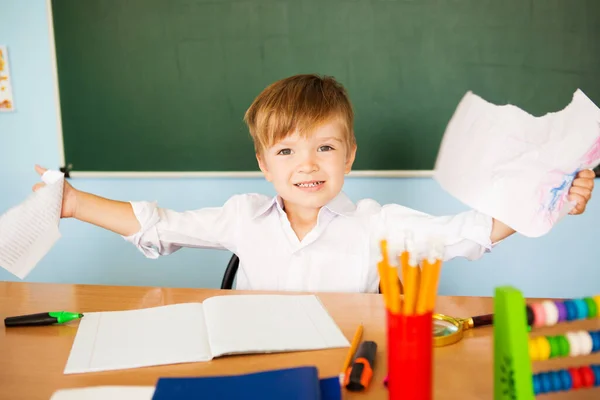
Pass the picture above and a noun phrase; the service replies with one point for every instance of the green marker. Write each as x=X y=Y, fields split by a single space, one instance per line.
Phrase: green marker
x=49 y=318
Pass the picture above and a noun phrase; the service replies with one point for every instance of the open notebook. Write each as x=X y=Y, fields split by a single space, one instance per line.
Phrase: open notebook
x=191 y=332
x=105 y=392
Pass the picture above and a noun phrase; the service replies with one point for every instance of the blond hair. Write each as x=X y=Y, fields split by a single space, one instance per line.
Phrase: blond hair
x=299 y=103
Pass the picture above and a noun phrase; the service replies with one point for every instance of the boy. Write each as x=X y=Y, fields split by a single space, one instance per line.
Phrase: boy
x=310 y=237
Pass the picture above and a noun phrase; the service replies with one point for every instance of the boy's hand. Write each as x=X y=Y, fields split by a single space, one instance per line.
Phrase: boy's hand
x=69 y=204
x=581 y=190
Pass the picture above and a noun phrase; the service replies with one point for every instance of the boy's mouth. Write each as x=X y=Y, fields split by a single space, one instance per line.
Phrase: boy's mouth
x=309 y=184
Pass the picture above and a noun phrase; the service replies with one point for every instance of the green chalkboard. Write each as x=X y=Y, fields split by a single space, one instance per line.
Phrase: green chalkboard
x=157 y=85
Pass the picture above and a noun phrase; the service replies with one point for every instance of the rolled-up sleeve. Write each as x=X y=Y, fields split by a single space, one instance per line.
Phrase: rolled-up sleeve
x=465 y=234
x=163 y=231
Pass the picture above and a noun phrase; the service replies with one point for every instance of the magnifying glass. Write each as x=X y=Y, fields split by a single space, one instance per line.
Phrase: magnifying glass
x=449 y=330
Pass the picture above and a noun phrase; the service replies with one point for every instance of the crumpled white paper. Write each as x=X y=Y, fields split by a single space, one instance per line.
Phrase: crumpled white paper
x=29 y=230
x=515 y=167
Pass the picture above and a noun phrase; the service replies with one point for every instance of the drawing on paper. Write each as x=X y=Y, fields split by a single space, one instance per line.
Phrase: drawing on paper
x=6 y=98
x=553 y=200
x=556 y=196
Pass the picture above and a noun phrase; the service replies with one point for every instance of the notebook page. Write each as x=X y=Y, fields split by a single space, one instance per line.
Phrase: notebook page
x=269 y=323
x=29 y=230
x=105 y=392
x=162 y=335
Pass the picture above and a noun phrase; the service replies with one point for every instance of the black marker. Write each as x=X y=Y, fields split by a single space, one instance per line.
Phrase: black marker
x=48 y=318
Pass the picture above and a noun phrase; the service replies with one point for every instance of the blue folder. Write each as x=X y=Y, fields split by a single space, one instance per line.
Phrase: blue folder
x=301 y=383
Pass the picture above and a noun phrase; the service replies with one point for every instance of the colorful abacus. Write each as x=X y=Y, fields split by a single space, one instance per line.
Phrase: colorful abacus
x=514 y=350
x=571 y=344
x=548 y=313
x=566 y=379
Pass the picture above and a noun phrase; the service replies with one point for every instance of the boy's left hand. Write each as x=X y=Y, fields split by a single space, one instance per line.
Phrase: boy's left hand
x=581 y=190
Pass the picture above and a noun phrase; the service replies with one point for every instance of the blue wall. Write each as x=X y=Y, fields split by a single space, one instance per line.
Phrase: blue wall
x=563 y=263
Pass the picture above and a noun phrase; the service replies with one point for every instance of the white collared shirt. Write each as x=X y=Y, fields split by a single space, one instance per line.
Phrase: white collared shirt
x=339 y=254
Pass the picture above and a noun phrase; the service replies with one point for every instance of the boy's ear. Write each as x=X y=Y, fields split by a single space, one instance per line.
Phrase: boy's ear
x=263 y=167
x=350 y=160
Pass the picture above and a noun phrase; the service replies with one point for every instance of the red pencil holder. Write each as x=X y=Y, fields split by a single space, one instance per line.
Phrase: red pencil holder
x=410 y=356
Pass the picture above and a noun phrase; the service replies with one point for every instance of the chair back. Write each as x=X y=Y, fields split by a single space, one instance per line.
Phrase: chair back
x=230 y=271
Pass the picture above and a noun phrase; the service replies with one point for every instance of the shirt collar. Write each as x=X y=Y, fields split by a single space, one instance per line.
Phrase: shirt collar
x=276 y=200
x=340 y=204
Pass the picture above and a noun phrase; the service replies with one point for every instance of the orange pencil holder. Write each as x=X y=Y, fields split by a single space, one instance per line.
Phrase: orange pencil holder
x=410 y=356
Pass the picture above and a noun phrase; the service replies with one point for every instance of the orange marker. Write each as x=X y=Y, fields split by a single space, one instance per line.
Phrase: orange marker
x=359 y=376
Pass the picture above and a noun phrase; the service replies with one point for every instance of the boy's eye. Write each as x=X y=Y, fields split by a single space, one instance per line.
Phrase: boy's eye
x=325 y=148
x=284 y=152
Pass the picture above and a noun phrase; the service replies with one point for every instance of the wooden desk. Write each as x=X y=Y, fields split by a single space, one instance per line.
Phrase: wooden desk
x=32 y=359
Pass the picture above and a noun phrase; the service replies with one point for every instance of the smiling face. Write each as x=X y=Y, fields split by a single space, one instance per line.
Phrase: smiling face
x=308 y=171
x=303 y=134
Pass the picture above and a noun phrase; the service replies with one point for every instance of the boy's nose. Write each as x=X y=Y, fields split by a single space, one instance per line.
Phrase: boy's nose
x=308 y=164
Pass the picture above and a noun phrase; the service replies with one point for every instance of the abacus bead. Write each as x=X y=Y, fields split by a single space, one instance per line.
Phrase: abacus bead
x=537 y=386
x=546 y=382
x=556 y=381
x=574 y=344
x=544 y=348
x=533 y=350
x=529 y=312
x=597 y=301
x=596 y=369
x=582 y=311
x=554 y=346
x=551 y=312
x=587 y=376
x=575 y=378
x=596 y=340
x=565 y=377
x=563 y=345
x=586 y=343
x=537 y=353
x=539 y=316
x=592 y=308
x=562 y=311
x=571 y=310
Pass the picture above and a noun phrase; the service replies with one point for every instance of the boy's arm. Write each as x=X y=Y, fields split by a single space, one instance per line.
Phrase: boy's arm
x=116 y=216
x=500 y=231
x=467 y=234
x=157 y=231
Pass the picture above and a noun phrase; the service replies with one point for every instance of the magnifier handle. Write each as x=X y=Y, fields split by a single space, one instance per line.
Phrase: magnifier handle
x=483 y=320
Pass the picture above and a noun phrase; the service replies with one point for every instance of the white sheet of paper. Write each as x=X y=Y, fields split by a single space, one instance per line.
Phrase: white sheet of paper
x=282 y=323
x=105 y=393
x=115 y=340
x=29 y=230
x=194 y=332
x=516 y=167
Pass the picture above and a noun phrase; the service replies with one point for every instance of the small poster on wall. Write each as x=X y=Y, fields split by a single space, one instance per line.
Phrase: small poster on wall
x=6 y=97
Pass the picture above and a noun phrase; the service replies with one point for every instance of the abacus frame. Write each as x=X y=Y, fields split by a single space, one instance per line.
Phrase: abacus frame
x=513 y=377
